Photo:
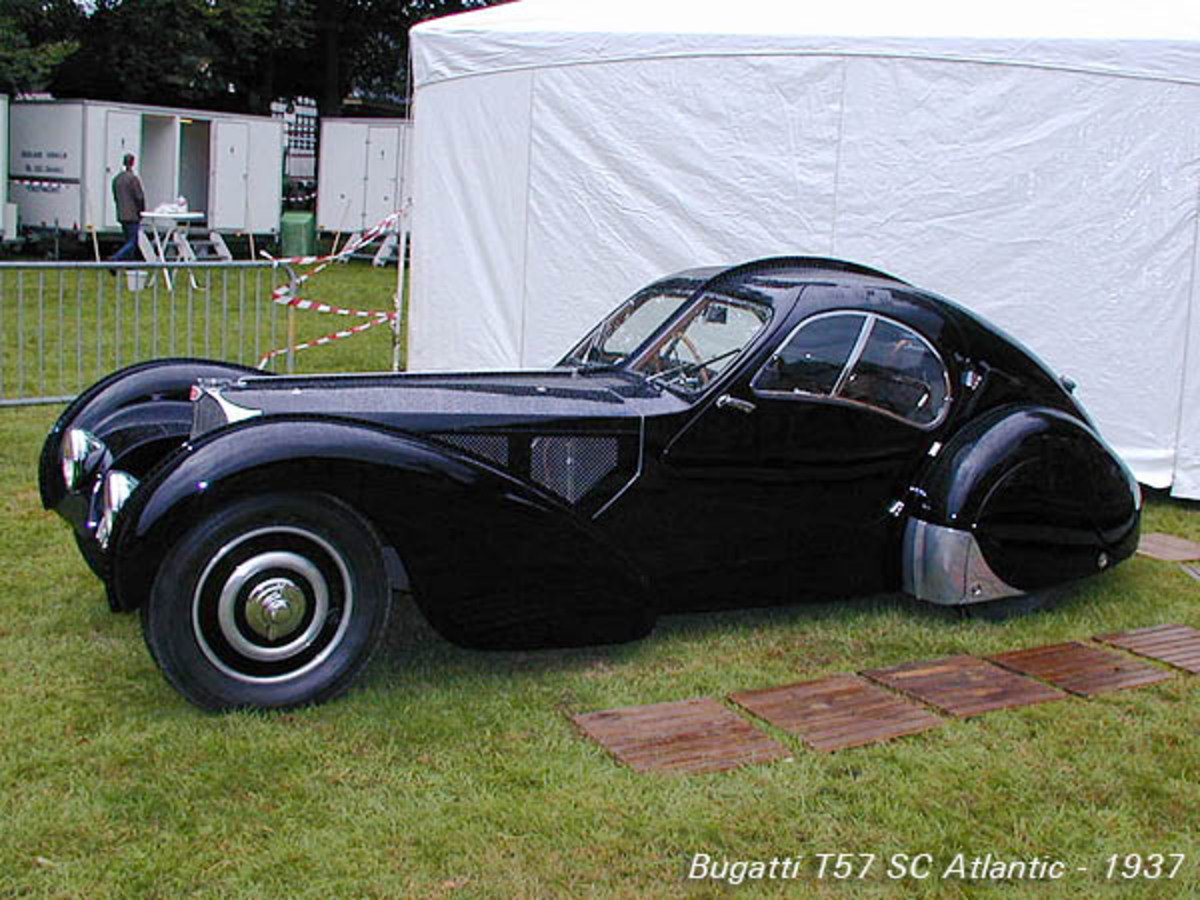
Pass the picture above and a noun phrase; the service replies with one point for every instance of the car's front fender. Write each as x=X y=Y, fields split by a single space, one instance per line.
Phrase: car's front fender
x=136 y=410
x=491 y=560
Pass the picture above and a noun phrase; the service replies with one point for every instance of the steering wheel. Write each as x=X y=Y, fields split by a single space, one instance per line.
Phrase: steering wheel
x=701 y=370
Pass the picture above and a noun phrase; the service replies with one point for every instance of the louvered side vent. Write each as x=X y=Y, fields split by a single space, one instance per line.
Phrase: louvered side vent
x=571 y=466
x=492 y=447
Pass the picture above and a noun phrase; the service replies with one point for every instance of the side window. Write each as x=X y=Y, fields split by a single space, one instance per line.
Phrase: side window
x=813 y=358
x=861 y=358
x=899 y=373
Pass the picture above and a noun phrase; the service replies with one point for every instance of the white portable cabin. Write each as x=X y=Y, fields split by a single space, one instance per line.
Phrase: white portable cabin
x=65 y=153
x=364 y=173
x=1039 y=162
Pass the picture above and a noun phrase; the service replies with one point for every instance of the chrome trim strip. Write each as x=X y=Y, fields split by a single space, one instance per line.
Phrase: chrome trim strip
x=856 y=352
x=231 y=411
x=636 y=475
x=946 y=566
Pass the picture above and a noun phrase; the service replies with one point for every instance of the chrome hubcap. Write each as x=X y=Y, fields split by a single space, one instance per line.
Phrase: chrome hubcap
x=275 y=608
x=272 y=604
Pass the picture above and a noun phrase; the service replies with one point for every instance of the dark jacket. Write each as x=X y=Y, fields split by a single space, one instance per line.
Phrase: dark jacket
x=127 y=191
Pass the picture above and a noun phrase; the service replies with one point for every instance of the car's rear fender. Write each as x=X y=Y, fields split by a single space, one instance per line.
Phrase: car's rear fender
x=1024 y=498
x=137 y=410
x=491 y=561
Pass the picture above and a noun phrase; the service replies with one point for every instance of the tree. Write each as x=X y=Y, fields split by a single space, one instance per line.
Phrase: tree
x=241 y=54
x=142 y=51
x=361 y=46
x=35 y=37
x=212 y=53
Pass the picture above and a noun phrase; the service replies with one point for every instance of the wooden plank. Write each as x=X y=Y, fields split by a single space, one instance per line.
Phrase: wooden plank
x=1175 y=645
x=1168 y=547
x=697 y=735
x=1081 y=669
x=837 y=712
x=964 y=686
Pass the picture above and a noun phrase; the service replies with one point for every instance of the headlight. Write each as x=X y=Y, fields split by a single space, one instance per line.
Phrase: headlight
x=81 y=451
x=118 y=486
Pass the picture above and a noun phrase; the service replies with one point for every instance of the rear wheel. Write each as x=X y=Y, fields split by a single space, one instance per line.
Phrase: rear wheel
x=274 y=601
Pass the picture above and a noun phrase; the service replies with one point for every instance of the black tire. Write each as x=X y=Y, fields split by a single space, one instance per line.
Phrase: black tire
x=273 y=602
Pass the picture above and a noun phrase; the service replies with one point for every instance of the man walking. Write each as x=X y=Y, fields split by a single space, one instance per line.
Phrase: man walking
x=127 y=192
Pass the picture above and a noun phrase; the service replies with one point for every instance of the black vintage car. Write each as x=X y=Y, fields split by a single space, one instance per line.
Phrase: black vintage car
x=782 y=429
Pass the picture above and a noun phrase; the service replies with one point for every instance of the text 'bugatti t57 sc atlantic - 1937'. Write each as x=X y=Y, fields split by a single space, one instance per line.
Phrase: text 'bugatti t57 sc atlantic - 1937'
x=782 y=429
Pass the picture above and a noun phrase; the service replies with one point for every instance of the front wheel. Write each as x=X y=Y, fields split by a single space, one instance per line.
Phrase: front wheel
x=274 y=601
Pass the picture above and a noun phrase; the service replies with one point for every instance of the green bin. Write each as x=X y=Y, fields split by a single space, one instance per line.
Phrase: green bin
x=299 y=233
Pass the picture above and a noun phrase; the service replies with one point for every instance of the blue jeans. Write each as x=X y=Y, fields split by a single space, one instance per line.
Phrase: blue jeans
x=132 y=230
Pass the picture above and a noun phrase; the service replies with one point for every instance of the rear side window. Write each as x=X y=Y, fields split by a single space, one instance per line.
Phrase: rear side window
x=864 y=359
x=812 y=361
x=899 y=373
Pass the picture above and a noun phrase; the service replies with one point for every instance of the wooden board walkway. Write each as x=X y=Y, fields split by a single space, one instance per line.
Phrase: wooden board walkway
x=837 y=712
x=840 y=711
x=1176 y=645
x=1168 y=547
x=1081 y=669
x=698 y=735
x=963 y=686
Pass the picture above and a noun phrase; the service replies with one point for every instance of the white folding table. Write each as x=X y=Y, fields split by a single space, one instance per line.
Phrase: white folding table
x=169 y=229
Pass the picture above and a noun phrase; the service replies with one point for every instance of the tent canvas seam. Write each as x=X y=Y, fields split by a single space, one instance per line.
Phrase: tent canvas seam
x=1180 y=436
x=525 y=243
x=833 y=54
x=837 y=160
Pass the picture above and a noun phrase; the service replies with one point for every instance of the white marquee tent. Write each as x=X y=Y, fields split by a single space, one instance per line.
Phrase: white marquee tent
x=1037 y=161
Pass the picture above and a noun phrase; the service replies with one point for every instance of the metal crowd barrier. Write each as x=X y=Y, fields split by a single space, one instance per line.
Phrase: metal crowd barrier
x=65 y=324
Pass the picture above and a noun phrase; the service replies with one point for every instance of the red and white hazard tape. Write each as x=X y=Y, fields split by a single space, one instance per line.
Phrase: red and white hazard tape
x=284 y=296
x=327 y=339
x=332 y=310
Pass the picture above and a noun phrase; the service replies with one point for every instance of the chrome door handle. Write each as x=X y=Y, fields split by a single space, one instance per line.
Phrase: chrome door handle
x=725 y=401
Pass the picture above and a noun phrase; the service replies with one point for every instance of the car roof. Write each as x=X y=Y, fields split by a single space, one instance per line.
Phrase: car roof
x=793 y=271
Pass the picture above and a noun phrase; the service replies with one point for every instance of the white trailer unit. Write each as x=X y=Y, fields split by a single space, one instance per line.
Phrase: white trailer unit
x=65 y=153
x=363 y=175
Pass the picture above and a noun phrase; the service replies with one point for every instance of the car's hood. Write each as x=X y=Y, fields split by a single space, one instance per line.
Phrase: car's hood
x=442 y=402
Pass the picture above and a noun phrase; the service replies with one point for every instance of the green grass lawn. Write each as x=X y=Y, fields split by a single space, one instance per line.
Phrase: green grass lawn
x=457 y=772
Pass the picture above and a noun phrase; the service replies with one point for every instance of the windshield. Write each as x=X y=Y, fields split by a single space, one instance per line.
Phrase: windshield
x=629 y=326
x=703 y=342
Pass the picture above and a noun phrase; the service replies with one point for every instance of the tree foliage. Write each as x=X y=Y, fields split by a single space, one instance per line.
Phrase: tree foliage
x=240 y=54
x=35 y=37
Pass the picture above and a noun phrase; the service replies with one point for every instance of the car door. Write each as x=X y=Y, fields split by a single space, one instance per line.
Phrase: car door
x=806 y=451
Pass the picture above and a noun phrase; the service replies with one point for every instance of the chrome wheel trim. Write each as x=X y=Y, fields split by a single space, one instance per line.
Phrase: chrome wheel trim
x=275 y=608
x=335 y=640
x=271 y=597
